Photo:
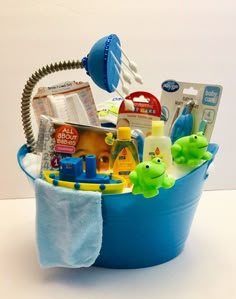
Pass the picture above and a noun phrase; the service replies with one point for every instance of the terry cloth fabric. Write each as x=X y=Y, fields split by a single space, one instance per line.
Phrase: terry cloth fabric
x=68 y=226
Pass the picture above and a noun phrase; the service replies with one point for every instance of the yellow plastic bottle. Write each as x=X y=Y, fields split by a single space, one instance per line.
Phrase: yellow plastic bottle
x=124 y=154
x=157 y=144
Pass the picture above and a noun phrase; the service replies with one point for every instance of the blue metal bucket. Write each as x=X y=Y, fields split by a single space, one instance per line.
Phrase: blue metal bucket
x=140 y=232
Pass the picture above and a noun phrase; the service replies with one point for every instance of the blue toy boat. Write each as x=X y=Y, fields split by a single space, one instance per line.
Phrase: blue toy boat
x=71 y=175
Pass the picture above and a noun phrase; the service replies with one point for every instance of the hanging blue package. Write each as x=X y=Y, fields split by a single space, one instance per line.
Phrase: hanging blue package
x=183 y=125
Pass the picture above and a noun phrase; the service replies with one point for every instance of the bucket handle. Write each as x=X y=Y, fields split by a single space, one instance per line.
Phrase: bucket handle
x=28 y=90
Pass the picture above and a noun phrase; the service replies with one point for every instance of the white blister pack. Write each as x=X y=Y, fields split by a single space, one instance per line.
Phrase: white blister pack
x=188 y=108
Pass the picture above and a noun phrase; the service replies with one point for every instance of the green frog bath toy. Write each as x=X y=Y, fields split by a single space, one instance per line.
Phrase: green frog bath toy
x=149 y=176
x=191 y=150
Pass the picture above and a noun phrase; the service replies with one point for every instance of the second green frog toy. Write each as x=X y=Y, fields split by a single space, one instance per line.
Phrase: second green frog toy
x=191 y=150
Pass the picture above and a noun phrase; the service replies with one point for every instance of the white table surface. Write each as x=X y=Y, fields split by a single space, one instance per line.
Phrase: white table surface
x=205 y=269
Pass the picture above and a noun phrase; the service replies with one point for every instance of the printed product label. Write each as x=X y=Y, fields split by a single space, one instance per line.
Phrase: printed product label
x=211 y=95
x=145 y=108
x=66 y=138
x=155 y=153
x=124 y=164
x=170 y=86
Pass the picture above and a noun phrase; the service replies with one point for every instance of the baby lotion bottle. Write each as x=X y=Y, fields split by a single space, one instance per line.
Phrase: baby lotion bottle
x=157 y=144
x=124 y=154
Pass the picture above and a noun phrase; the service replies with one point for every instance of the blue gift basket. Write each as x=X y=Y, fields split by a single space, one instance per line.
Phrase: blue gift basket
x=140 y=232
x=137 y=232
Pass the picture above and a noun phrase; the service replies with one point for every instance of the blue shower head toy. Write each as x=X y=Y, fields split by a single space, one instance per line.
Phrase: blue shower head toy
x=149 y=176
x=101 y=65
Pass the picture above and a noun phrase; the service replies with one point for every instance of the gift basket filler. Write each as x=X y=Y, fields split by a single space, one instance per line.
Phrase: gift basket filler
x=115 y=186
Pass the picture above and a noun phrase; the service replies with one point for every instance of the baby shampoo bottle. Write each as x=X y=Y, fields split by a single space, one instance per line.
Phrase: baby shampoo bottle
x=157 y=144
x=124 y=154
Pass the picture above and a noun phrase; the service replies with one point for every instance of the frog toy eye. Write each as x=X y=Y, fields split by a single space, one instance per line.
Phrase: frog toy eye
x=157 y=160
x=193 y=138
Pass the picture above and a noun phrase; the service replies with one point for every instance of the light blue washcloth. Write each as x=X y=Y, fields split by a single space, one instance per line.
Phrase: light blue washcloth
x=68 y=226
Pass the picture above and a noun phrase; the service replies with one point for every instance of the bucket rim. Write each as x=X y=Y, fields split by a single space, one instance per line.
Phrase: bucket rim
x=212 y=147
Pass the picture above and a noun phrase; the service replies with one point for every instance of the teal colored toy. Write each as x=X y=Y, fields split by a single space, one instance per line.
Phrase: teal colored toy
x=191 y=150
x=149 y=176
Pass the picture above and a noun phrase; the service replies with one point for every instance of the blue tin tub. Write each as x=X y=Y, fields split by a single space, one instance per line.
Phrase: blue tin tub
x=140 y=232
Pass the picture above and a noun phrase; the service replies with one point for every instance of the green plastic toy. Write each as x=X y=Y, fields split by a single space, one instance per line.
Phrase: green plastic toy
x=149 y=176
x=191 y=150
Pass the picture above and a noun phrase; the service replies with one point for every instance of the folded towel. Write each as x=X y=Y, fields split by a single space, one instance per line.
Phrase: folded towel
x=69 y=226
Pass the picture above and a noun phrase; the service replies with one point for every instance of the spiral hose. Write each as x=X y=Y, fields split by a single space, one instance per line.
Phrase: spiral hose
x=27 y=93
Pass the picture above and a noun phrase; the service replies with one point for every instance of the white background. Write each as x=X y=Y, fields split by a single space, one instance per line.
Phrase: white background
x=186 y=40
